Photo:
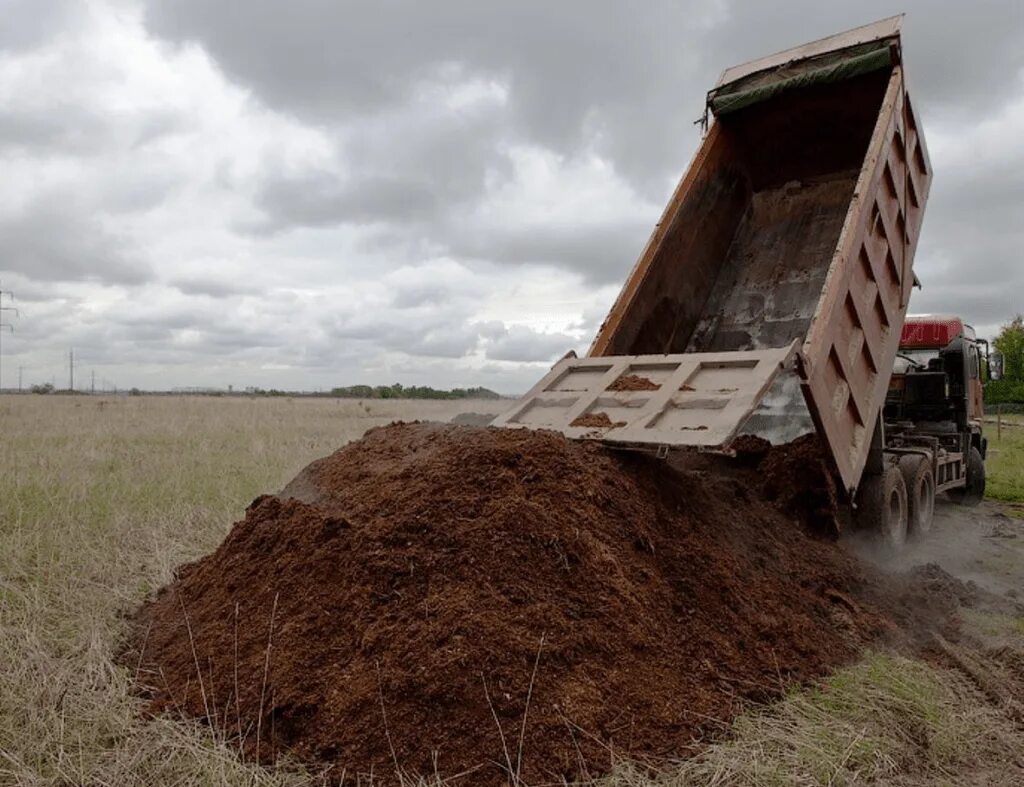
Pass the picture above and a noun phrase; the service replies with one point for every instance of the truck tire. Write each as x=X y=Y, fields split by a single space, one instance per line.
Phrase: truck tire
x=974 y=490
x=920 y=483
x=882 y=507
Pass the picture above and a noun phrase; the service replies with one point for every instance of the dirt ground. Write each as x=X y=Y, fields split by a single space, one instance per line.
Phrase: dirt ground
x=983 y=549
x=984 y=545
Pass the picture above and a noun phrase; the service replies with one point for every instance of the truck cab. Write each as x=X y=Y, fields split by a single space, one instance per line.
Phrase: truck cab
x=935 y=399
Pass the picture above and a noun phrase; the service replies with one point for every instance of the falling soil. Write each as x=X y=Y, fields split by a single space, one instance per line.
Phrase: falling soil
x=633 y=382
x=750 y=449
x=457 y=599
x=798 y=477
x=599 y=420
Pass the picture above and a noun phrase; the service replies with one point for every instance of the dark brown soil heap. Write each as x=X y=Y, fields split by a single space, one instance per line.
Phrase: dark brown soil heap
x=399 y=599
x=633 y=382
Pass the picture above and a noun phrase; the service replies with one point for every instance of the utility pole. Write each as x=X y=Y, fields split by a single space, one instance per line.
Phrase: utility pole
x=92 y=385
x=71 y=370
x=6 y=325
x=20 y=370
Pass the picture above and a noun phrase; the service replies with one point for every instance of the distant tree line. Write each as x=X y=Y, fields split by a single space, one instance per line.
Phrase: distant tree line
x=398 y=391
x=49 y=388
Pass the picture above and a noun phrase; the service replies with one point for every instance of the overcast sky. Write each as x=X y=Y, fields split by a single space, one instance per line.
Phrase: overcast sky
x=313 y=193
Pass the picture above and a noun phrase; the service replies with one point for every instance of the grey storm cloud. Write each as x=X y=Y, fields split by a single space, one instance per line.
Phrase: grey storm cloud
x=636 y=73
x=576 y=72
x=449 y=334
x=213 y=287
x=398 y=165
x=435 y=336
x=73 y=129
x=54 y=239
x=421 y=213
x=194 y=327
x=27 y=23
x=969 y=257
x=599 y=253
x=627 y=80
x=319 y=199
x=412 y=296
x=342 y=59
x=524 y=344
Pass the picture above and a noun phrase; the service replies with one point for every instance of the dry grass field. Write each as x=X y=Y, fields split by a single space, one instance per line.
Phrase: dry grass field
x=100 y=498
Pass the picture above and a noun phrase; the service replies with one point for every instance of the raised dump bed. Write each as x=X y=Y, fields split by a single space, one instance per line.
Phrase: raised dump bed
x=796 y=222
x=696 y=399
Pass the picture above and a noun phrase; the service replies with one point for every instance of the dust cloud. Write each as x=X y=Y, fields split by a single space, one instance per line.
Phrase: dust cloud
x=982 y=545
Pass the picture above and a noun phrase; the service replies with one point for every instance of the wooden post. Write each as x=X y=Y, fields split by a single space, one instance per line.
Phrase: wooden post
x=999 y=422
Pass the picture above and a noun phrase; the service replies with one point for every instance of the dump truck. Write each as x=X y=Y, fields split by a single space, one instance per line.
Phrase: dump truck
x=772 y=295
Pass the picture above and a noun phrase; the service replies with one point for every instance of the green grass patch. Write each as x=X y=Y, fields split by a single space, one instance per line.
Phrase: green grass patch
x=995 y=625
x=1004 y=466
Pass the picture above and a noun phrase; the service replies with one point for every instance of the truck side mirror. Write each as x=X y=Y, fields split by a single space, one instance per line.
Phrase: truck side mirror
x=995 y=365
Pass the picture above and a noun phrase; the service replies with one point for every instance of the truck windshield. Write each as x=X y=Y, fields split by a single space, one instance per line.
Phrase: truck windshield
x=906 y=357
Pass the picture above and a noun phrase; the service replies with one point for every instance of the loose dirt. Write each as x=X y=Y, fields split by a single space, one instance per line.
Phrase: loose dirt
x=750 y=450
x=598 y=420
x=454 y=599
x=633 y=382
x=799 y=479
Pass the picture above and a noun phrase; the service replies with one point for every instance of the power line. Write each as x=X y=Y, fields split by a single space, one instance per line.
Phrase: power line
x=6 y=325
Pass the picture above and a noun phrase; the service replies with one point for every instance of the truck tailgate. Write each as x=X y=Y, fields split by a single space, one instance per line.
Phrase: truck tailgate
x=691 y=399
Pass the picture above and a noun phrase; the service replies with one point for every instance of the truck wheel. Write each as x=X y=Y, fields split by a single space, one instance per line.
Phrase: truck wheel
x=882 y=506
x=974 y=490
x=920 y=483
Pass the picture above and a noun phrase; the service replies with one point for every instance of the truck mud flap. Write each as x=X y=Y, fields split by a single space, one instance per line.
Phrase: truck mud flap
x=684 y=400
